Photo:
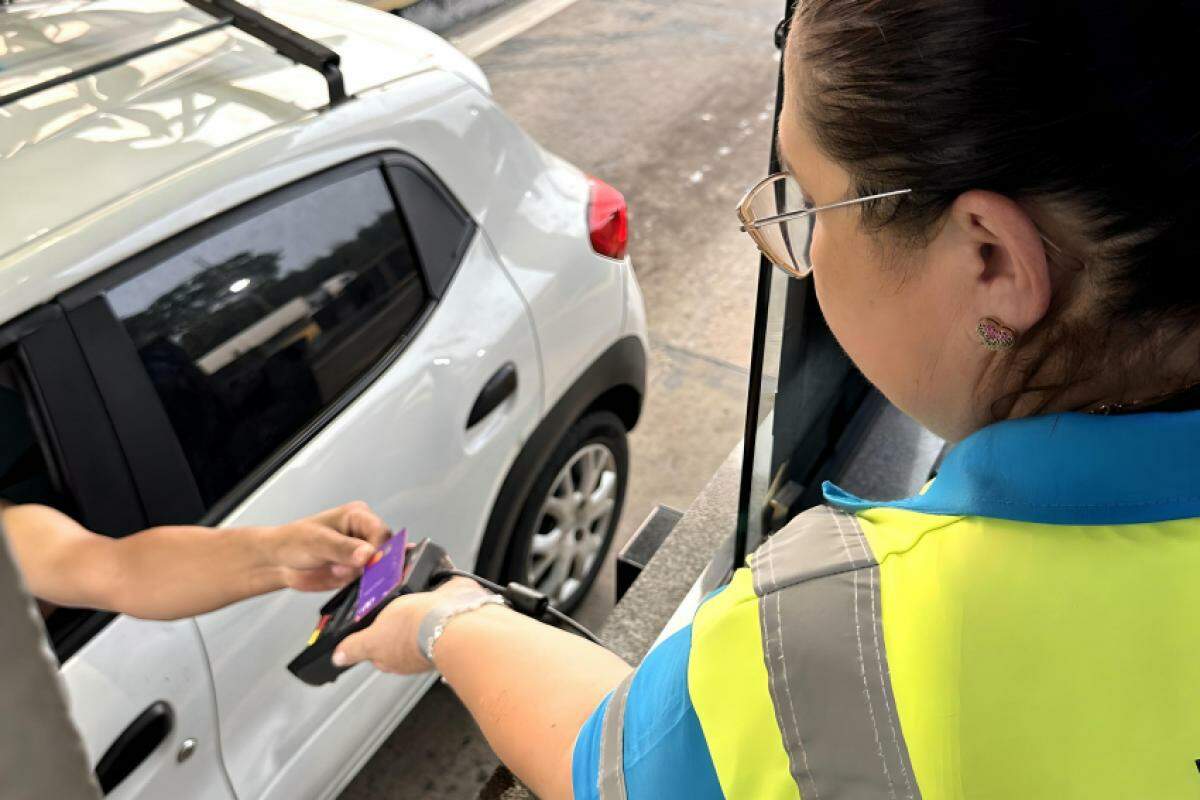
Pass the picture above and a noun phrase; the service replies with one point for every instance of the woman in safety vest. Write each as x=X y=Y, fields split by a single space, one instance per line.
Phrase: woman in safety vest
x=997 y=202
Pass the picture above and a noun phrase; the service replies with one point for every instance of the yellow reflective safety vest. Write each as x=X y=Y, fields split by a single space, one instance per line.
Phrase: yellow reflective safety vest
x=1028 y=627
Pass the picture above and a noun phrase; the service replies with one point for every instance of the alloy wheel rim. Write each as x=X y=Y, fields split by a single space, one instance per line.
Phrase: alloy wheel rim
x=573 y=523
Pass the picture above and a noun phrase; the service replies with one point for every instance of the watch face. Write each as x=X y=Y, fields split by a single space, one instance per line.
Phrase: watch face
x=383 y=574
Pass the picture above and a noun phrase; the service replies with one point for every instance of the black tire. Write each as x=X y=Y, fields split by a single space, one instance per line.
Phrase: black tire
x=598 y=427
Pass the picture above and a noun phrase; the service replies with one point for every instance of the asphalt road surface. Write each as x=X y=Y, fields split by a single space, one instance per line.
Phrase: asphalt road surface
x=671 y=102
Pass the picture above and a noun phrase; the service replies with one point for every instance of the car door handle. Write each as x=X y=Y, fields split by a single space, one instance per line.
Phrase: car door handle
x=134 y=745
x=499 y=388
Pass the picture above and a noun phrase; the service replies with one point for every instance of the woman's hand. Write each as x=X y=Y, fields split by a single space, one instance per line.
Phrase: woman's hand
x=529 y=686
x=391 y=641
x=324 y=551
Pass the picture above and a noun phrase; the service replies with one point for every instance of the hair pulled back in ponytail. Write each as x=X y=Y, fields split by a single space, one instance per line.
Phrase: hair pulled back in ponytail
x=1086 y=106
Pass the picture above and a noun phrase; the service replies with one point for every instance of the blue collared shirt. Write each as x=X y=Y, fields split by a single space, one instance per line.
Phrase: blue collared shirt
x=1066 y=469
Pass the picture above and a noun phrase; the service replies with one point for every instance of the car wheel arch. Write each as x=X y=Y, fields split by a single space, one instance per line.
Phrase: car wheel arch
x=616 y=381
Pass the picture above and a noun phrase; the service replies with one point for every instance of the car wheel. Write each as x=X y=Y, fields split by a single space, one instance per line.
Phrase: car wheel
x=567 y=523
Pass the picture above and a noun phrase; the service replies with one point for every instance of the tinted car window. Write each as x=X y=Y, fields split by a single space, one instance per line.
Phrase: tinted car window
x=25 y=475
x=248 y=334
x=444 y=228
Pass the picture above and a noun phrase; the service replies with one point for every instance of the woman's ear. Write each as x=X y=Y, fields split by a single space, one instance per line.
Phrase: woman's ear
x=1010 y=275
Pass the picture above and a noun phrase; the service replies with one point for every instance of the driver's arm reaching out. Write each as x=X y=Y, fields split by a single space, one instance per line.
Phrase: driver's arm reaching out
x=179 y=571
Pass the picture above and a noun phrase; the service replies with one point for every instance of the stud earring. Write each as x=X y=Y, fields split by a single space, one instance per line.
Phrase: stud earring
x=996 y=336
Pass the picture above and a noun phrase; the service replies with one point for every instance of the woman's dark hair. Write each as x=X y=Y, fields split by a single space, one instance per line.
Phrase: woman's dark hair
x=1085 y=105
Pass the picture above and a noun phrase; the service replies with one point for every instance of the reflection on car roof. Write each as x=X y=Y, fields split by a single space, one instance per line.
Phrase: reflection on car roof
x=86 y=144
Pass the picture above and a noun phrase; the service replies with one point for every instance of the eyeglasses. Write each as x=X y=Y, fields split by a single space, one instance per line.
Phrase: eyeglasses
x=785 y=236
x=780 y=221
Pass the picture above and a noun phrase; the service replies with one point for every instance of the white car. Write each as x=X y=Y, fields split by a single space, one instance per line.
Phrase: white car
x=230 y=295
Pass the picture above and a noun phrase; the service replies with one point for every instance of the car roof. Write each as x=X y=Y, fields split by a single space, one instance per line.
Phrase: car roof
x=83 y=147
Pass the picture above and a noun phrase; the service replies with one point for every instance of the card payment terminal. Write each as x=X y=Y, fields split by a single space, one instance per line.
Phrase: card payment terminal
x=395 y=570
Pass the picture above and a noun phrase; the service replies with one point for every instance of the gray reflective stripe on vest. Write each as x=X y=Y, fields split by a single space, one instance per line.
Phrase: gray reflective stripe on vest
x=819 y=606
x=612 y=744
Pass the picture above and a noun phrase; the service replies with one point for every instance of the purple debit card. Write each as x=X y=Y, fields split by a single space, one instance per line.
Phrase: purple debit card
x=384 y=573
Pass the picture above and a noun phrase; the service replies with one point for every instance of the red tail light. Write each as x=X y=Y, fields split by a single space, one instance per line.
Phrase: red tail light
x=608 y=220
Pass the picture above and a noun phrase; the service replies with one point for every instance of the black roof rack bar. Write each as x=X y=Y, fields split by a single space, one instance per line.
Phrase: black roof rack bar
x=287 y=42
x=109 y=63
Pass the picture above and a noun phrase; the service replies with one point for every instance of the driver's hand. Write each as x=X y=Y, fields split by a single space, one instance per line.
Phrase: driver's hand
x=327 y=550
x=390 y=643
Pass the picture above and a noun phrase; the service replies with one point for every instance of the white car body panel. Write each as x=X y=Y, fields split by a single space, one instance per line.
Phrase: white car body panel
x=162 y=127
x=402 y=447
x=532 y=205
x=635 y=309
x=116 y=676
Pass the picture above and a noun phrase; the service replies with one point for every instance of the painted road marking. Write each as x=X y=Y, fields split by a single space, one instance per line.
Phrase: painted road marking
x=507 y=25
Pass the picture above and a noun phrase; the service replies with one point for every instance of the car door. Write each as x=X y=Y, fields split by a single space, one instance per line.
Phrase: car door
x=142 y=697
x=139 y=692
x=321 y=345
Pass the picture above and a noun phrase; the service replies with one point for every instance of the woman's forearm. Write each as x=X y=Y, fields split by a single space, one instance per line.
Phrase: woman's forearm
x=530 y=687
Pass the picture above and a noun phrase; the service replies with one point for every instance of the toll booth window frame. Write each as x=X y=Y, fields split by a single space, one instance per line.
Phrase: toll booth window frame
x=811 y=416
x=807 y=405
